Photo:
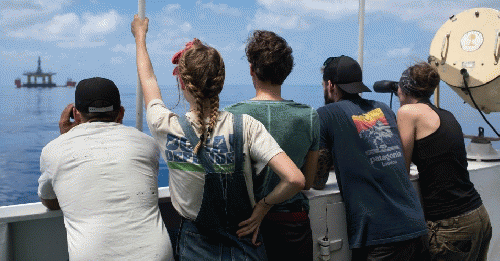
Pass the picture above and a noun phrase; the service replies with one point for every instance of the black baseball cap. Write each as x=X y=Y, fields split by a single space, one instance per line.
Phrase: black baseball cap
x=97 y=95
x=346 y=73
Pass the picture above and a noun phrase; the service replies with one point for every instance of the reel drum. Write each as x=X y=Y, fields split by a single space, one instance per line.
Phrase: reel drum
x=471 y=41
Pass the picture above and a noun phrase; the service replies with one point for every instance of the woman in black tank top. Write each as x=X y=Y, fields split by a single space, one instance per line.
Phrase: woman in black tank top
x=459 y=226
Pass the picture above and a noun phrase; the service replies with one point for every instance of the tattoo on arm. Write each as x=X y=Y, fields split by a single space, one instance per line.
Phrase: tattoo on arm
x=325 y=163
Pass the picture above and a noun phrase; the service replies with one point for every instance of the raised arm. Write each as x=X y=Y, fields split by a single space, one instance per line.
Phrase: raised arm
x=147 y=77
x=406 y=125
x=292 y=181
x=310 y=167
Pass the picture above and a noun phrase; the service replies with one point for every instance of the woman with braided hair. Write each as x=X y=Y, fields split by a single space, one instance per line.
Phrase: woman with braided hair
x=459 y=226
x=211 y=156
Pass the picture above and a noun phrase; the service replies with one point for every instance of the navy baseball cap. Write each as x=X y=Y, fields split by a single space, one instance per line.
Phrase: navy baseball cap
x=96 y=95
x=346 y=73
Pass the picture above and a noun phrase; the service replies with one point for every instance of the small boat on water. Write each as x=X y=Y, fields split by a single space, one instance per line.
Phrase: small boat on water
x=70 y=83
x=46 y=79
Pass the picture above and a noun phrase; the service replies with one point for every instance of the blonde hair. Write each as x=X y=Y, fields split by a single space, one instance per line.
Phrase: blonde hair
x=202 y=71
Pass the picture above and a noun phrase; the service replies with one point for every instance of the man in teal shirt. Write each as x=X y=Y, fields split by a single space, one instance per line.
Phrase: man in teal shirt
x=286 y=228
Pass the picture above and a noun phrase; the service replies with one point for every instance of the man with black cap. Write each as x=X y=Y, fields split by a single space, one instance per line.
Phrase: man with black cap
x=359 y=137
x=104 y=177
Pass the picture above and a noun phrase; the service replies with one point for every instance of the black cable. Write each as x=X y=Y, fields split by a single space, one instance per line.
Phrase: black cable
x=465 y=75
x=392 y=93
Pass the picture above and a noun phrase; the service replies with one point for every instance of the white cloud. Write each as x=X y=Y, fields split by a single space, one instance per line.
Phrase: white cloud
x=428 y=14
x=20 y=13
x=296 y=14
x=272 y=21
x=25 y=60
x=226 y=49
x=223 y=9
x=402 y=52
x=173 y=34
x=62 y=23
x=128 y=49
x=167 y=45
x=81 y=43
x=171 y=7
x=71 y=31
x=186 y=27
x=99 y=24
x=15 y=55
x=59 y=27
x=117 y=60
x=321 y=8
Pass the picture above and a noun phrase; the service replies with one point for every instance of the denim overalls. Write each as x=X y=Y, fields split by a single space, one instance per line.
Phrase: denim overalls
x=212 y=236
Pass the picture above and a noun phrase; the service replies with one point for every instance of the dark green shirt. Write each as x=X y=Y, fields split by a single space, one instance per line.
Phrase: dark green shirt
x=295 y=127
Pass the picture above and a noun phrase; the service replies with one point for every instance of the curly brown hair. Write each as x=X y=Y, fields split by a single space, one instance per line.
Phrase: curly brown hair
x=426 y=77
x=270 y=56
x=202 y=71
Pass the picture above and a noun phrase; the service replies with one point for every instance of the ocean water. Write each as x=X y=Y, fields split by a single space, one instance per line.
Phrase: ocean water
x=29 y=120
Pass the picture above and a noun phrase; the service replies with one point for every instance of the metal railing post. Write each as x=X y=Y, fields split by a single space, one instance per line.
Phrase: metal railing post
x=361 y=23
x=139 y=100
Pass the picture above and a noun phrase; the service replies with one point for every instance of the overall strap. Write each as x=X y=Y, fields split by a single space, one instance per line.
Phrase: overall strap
x=238 y=142
x=193 y=139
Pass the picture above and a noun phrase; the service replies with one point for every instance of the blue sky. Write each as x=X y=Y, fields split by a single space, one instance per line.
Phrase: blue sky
x=79 y=39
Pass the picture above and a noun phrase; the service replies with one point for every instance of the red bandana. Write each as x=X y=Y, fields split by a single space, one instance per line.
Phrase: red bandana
x=177 y=57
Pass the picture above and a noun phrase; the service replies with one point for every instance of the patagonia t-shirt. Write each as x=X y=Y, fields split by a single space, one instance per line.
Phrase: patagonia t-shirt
x=381 y=204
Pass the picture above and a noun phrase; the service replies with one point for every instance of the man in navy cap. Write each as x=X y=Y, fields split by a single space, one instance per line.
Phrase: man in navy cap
x=104 y=177
x=359 y=137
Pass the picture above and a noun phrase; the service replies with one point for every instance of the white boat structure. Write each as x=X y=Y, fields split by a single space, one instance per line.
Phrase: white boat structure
x=32 y=232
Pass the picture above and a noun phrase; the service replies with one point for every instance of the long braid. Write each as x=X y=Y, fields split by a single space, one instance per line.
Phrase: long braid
x=216 y=88
x=202 y=71
x=199 y=115
x=214 y=113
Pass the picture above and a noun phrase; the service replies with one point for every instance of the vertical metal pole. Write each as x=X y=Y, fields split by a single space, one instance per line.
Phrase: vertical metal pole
x=436 y=97
x=139 y=100
x=361 y=23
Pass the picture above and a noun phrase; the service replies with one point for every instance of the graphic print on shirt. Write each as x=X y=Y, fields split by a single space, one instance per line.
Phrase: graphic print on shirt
x=373 y=127
x=179 y=154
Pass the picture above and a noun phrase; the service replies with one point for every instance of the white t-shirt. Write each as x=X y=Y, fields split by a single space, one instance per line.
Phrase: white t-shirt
x=187 y=178
x=105 y=177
